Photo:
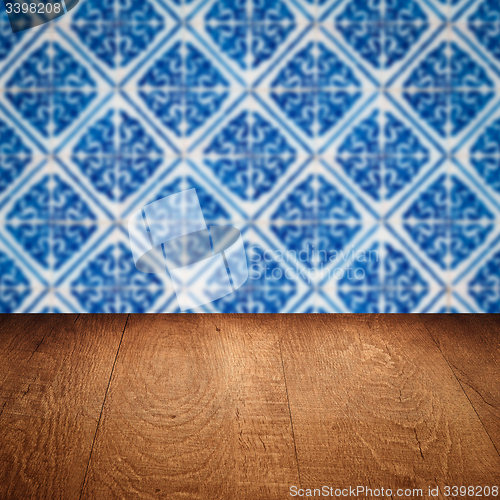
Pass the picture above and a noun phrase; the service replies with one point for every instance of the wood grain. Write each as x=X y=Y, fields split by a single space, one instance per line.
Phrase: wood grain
x=245 y=406
x=53 y=388
x=374 y=402
x=20 y=335
x=197 y=408
x=471 y=345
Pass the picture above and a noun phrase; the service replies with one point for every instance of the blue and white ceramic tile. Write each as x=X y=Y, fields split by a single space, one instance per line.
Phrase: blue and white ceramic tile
x=355 y=144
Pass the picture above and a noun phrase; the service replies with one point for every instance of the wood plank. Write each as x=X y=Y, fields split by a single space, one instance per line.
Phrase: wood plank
x=20 y=336
x=196 y=408
x=471 y=345
x=374 y=403
x=48 y=426
x=24 y=331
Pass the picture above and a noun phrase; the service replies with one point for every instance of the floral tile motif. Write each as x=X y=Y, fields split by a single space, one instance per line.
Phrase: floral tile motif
x=317 y=89
x=249 y=31
x=249 y=155
x=382 y=32
x=355 y=144
x=117 y=32
x=47 y=221
x=182 y=89
x=119 y=158
x=448 y=89
x=459 y=221
x=382 y=156
x=50 y=89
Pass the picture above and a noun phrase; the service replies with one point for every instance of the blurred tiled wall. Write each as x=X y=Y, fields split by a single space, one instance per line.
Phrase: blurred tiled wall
x=355 y=144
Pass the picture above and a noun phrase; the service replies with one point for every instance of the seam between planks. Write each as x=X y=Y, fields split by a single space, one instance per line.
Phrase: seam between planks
x=102 y=408
x=461 y=387
x=290 y=413
x=43 y=338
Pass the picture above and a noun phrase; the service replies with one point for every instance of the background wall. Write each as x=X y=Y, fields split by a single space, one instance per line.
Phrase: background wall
x=365 y=131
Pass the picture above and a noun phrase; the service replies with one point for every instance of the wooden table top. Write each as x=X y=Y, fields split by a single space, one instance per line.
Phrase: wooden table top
x=246 y=406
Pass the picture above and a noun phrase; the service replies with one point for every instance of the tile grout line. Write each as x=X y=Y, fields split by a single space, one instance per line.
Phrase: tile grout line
x=462 y=387
x=290 y=413
x=102 y=408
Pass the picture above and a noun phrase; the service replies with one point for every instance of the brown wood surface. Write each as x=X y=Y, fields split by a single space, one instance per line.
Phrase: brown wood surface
x=245 y=406
x=375 y=403
x=197 y=408
x=53 y=390
x=472 y=348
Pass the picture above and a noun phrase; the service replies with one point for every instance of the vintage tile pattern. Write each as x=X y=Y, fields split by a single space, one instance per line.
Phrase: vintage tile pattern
x=346 y=127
